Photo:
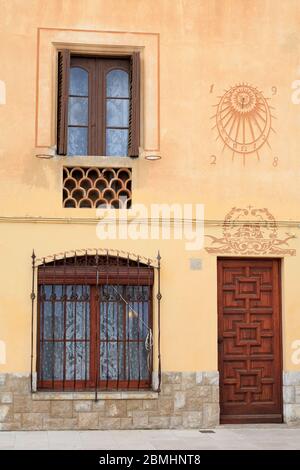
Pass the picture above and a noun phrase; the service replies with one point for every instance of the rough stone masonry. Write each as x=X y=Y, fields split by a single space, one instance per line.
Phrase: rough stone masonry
x=187 y=400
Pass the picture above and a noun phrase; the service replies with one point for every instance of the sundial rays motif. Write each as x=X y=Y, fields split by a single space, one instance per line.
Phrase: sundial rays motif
x=243 y=120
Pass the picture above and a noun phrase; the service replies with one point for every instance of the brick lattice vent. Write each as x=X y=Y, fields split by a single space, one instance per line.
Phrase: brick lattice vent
x=96 y=187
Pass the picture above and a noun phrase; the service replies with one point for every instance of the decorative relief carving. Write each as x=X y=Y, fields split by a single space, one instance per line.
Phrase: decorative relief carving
x=250 y=231
x=93 y=187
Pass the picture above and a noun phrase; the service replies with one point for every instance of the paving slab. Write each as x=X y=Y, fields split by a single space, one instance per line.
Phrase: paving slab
x=223 y=437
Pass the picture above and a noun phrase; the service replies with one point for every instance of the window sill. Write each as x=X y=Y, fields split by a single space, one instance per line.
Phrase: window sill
x=49 y=153
x=130 y=395
x=106 y=160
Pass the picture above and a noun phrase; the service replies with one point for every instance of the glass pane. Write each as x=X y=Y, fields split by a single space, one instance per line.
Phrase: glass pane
x=82 y=359
x=126 y=360
x=112 y=361
x=136 y=362
x=117 y=84
x=52 y=312
x=51 y=361
x=50 y=290
x=116 y=142
x=77 y=141
x=137 y=320
x=112 y=293
x=65 y=309
x=53 y=320
x=78 y=111
x=111 y=321
x=117 y=113
x=78 y=81
x=77 y=314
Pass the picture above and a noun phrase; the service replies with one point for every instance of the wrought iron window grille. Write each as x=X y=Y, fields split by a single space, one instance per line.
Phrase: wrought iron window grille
x=94 y=314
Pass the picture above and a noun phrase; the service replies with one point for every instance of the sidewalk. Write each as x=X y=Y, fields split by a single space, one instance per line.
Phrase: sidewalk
x=224 y=437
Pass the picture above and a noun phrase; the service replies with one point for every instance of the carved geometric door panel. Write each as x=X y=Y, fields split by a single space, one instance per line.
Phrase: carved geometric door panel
x=249 y=340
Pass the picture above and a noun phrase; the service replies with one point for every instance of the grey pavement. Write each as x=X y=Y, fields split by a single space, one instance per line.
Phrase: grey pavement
x=223 y=437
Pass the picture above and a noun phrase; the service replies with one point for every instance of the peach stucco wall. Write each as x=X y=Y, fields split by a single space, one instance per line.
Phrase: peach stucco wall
x=197 y=44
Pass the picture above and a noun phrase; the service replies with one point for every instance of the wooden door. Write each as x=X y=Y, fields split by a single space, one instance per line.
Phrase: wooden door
x=249 y=340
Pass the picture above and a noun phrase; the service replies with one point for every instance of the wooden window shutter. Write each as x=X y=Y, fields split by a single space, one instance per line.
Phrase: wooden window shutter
x=134 y=112
x=62 y=101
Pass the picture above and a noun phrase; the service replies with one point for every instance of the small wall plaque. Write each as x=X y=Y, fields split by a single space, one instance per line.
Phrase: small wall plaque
x=195 y=264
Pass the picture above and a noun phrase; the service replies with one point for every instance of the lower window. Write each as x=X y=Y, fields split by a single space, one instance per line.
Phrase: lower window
x=94 y=335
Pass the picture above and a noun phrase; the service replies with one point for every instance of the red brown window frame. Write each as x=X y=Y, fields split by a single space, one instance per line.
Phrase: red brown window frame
x=115 y=275
x=98 y=67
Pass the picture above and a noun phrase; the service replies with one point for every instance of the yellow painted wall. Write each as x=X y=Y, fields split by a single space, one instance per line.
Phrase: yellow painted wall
x=201 y=43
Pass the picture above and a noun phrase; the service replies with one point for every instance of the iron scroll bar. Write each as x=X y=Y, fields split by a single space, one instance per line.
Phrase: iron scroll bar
x=32 y=296
x=158 y=297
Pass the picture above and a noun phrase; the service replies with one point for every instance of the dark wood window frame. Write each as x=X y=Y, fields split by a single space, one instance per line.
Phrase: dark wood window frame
x=98 y=67
x=86 y=276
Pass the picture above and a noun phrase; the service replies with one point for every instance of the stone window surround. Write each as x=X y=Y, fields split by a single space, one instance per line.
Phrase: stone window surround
x=49 y=40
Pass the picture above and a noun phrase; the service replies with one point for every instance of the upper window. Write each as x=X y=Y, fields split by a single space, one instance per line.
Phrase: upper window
x=98 y=105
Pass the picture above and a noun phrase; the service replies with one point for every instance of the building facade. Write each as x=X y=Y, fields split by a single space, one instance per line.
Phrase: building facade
x=149 y=213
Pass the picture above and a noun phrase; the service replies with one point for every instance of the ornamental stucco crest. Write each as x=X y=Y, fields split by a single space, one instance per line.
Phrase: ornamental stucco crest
x=250 y=231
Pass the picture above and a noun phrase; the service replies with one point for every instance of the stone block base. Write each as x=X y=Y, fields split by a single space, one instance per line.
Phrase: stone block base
x=186 y=400
x=291 y=397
